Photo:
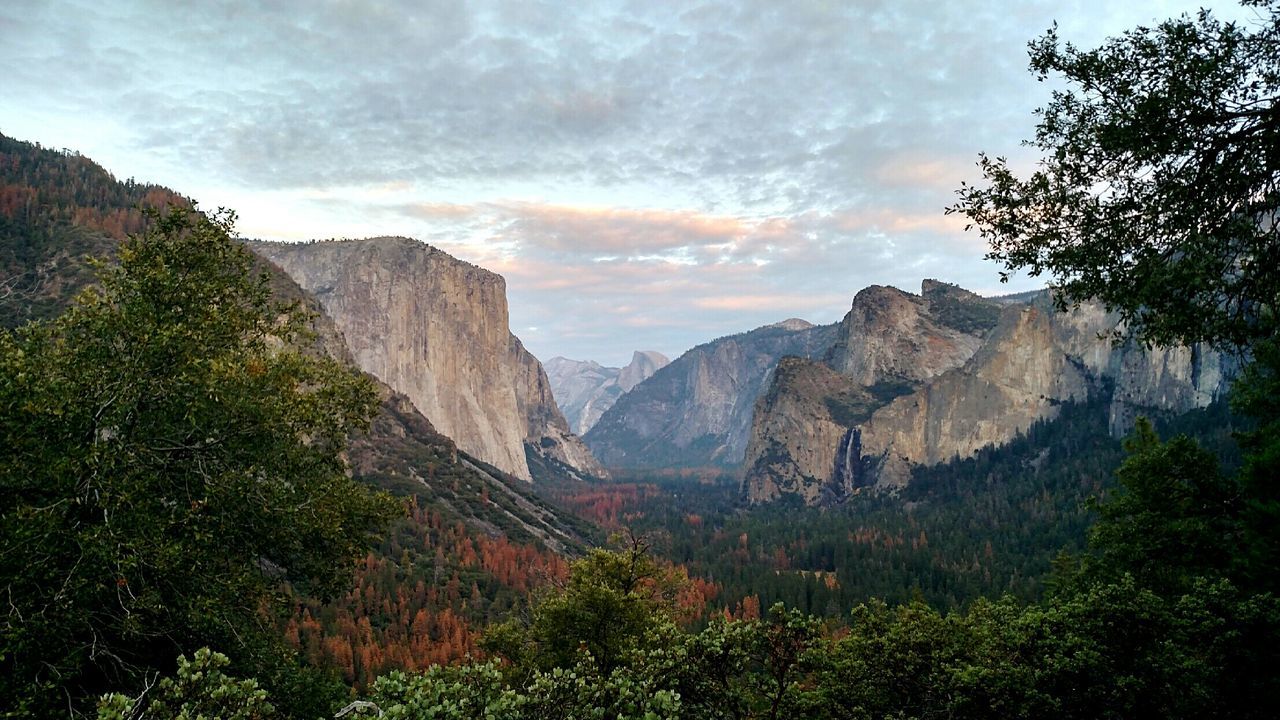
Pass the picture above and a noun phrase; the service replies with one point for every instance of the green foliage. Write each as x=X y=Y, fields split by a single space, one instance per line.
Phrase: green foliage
x=464 y=692
x=57 y=210
x=644 y=667
x=1175 y=518
x=1113 y=650
x=1156 y=192
x=1257 y=394
x=962 y=310
x=608 y=610
x=170 y=462
x=585 y=692
x=985 y=525
x=201 y=691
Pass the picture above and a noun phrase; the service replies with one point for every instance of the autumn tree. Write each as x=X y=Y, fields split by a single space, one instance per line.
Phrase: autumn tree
x=170 y=462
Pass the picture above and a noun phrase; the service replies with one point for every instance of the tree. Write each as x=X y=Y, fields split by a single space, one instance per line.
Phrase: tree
x=1157 y=191
x=611 y=606
x=200 y=690
x=1159 y=194
x=172 y=460
x=1174 y=517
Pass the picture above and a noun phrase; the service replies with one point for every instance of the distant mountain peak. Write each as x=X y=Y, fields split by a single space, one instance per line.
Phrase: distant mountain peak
x=584 y=389
x=795 y=324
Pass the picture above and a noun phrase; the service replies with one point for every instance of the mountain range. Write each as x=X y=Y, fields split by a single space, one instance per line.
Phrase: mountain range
x=817 y=412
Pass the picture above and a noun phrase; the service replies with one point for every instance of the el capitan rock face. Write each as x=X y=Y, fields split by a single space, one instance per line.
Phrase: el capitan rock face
x=697 y=411
x=435 y=329
x=1021 y=370
x=584 y=390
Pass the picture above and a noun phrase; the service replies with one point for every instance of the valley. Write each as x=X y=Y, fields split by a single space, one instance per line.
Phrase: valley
x=523 y=452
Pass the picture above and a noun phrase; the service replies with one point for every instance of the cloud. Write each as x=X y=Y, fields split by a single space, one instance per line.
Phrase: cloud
x=706 y=167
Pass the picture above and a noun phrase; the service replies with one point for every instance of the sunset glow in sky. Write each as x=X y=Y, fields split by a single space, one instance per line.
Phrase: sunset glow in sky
x=646 y=175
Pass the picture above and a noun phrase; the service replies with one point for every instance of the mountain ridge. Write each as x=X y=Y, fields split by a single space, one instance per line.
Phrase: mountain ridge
x=1023 y=368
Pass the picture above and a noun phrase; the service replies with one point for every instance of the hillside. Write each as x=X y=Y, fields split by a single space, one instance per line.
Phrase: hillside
x=469 y=525
x=57 y=210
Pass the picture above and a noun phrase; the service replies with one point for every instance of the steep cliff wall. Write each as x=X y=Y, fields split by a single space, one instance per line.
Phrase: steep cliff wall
x=1019 y=376
x=803 y=437
x=433 y=328
x=546 y=430
x=1027 y=365
x=808 y=409
x=892 y=336
x=697 y=410
x=584 y=390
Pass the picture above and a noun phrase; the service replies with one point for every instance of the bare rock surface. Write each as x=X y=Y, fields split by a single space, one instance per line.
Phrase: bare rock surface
x=918 y=380
x=435 y=329
x=696 y=412
x=584 y=390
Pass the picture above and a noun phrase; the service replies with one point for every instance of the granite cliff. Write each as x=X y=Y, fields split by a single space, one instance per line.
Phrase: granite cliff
x=436 y=329
x=892 y=336
x=546 y=431
x=584 y=390
x=1023 y=361
x=696 y=412
x=889 y=344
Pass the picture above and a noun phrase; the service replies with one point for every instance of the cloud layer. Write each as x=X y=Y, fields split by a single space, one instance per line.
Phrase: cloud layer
x=646 y=175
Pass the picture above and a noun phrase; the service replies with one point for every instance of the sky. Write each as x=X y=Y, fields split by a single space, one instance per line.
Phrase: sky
x=645 y=175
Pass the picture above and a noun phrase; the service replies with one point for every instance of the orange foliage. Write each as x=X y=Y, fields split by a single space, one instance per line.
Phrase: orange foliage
x=611 y=506
x=389 y=621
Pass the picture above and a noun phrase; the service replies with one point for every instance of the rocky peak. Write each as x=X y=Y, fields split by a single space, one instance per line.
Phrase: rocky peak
x=547 y=432
x=892 y=336
x=1024 y=367
x=644 y=363
x=792 y=324
x=808 y=409
x=584 y=389
x=696 y=412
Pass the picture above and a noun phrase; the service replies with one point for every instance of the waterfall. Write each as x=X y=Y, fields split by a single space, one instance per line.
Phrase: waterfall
x=849 y=460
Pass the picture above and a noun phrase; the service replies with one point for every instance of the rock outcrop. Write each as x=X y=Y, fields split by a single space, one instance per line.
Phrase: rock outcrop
x=805 y=438
x=1022 y=370
x=892 y=336
x=1019 y=376
x=696 y=412
x=546 y=430
x=435 y=329
x=808 y=409
x=584 y=390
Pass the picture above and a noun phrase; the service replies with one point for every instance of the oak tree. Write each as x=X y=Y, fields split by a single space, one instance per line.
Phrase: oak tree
x=171 y=460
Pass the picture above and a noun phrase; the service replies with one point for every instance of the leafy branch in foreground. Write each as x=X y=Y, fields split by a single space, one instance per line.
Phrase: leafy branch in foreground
x=1157 y=190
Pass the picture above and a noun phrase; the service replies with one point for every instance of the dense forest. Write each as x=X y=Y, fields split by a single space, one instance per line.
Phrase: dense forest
x=985 y=526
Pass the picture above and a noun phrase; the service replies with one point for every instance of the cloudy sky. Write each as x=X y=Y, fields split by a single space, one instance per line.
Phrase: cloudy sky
x=646 y=175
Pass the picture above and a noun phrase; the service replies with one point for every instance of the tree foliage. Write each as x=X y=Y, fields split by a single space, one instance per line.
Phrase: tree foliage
x=610 y=607
x=1157 y=191
x=199 y=689
x=171 y=459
